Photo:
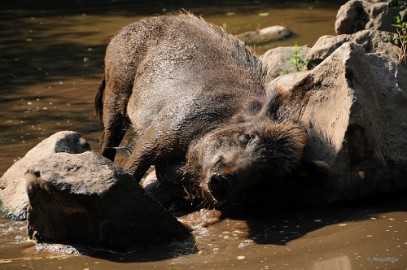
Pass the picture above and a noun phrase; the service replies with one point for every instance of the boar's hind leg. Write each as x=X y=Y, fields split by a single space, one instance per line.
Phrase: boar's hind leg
x=113 y=135
x=115 y=120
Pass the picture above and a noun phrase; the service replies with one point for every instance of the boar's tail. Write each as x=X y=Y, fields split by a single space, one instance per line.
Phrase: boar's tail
x=98 y=104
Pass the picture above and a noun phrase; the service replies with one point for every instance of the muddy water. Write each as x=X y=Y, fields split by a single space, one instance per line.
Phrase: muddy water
x=51 y=59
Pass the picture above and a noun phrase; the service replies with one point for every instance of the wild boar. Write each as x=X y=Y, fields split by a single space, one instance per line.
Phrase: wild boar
x=195 y=98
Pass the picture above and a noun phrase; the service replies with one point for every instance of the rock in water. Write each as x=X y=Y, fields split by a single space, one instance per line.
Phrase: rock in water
x=265 y=35
x=13 y=193
x=356 y=15
x=353 y=104
x=85 y=199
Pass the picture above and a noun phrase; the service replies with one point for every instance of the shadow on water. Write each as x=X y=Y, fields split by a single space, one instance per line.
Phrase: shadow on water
x=282 y=227
x=146 y=253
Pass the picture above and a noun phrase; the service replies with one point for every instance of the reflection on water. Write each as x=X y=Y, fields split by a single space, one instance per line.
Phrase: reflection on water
x=338 y=263
x=51 y=59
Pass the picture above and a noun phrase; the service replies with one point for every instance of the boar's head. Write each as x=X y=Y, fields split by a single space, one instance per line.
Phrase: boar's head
x=257 y=144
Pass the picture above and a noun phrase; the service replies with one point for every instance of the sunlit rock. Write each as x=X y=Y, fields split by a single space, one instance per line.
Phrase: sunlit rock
x=277 y=60
x=356 y=15
x=13 y=193
x=373 y=41
x=265 y=35
x=353 y=105
x=86 y=199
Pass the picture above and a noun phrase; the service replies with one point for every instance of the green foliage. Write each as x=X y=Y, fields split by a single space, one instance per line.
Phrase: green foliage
x=401 y=28
x=296 y=60
x=297 y=63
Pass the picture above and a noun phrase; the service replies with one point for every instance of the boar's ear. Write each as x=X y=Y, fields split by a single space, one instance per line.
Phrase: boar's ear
x=272 y=103
x=249 y=110
x=266 y=106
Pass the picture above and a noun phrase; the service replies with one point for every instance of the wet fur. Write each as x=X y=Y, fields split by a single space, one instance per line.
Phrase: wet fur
x=268 y=115
x=111 y=101
x=224 y=91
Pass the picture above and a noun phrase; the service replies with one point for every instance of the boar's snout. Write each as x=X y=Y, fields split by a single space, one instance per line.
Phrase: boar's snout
x=220 y=186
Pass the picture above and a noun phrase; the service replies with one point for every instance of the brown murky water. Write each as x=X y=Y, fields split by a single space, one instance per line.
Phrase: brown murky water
x=51 y=59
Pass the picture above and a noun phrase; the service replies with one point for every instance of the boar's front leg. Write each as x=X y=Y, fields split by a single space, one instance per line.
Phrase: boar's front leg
x=155 y=145
x=166 y=139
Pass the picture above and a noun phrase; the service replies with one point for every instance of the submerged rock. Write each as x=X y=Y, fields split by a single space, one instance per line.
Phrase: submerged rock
x=13 y=193
x=265 y=35
x=85 y=199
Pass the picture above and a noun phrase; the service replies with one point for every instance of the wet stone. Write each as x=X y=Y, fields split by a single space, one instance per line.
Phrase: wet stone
x=85 y=199
x=13 y=194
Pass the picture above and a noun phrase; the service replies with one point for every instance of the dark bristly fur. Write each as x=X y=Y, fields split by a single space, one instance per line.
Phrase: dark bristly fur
x=278 y=152
x=195 y=98
x=98 y=104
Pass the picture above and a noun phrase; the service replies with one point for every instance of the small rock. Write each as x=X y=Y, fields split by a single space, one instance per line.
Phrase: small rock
x=265 y=35
x=13 y=192
x=277 y=60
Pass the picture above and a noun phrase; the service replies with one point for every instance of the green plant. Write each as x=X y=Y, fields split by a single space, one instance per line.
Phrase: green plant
x=296 y=60
x=401 y=28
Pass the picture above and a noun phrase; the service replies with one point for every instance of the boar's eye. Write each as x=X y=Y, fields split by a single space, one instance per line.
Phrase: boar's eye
x=245 y=139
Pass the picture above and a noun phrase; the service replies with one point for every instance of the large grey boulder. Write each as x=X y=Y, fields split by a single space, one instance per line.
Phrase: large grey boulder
x=354 y=107
x=357 y=15
x=13 y=193
x=373 y=41
x=86 y=199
